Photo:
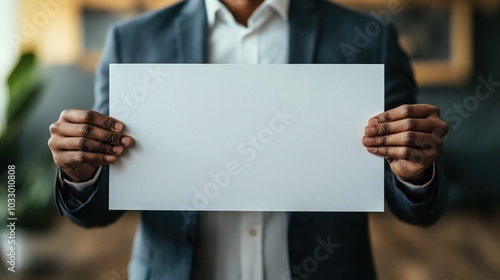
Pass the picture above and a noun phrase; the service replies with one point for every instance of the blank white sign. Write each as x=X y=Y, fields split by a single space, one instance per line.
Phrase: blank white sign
x=246 y=137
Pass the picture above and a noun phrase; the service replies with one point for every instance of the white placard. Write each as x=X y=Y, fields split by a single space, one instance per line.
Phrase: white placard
x=246 y=137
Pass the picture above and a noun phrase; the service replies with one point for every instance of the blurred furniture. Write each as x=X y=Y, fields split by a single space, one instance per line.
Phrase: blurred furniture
x=436 y=34
x=63 y=33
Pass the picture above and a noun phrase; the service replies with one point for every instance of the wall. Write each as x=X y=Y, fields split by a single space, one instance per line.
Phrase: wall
x=472 y=151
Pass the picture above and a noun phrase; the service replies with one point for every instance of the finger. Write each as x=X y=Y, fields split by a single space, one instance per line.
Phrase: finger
x=91 y=132
x=74 y=158
x=417 y=125
x=93 y=118
x=403 y=153
x=408 y=138
x=404 y=112
x=84 y=144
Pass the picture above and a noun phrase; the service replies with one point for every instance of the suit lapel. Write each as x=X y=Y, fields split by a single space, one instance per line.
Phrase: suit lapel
x=304 y=25
x=191 y=28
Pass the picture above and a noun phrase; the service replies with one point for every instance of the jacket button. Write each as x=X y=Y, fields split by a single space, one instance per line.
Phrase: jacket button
x=252 y=231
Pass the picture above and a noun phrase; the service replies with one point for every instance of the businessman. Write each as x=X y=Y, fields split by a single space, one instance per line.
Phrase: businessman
x=254 y=245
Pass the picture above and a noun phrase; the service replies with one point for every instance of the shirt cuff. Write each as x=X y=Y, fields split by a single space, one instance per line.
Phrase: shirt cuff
x=416 y=187
x=79 y=187
x=78 y=192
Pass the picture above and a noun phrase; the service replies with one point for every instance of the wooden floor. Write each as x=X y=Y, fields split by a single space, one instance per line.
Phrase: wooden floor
x=462 y=245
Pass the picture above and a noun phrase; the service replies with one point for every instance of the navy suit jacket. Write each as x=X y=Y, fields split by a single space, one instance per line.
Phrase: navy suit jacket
x=165 y=242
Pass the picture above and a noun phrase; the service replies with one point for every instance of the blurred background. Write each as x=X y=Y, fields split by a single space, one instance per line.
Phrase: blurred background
x=48 y=54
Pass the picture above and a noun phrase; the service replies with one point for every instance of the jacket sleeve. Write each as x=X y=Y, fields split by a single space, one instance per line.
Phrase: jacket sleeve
x=400 y=88
x=94 y=212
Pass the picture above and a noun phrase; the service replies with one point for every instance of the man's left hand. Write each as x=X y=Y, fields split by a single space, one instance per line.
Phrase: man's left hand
x=410 y=137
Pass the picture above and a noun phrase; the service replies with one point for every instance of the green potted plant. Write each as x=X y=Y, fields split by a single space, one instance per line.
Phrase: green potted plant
x=34 y=173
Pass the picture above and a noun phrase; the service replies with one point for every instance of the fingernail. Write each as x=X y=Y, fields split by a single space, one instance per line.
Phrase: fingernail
x=370 y=130
x=372 y=122
x=118 y=126
x=126 y=141
x=371 y=150
x=109 y=158
x=117 y=150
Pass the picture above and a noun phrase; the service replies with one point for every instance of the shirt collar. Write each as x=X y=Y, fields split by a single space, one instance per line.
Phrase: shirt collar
x=213 y=6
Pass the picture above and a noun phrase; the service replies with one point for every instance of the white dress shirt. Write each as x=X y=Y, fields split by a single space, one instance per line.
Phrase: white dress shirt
x=243 y=245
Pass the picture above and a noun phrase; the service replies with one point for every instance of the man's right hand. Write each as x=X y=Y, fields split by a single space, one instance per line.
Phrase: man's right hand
x=83 y=140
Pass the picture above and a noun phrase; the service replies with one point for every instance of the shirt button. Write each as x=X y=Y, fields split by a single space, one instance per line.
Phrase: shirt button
x=252 y=231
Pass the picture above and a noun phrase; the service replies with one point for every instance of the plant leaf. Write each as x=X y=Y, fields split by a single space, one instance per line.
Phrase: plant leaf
x=23 y=83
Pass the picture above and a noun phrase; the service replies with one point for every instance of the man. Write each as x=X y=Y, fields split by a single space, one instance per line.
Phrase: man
x=241 y=245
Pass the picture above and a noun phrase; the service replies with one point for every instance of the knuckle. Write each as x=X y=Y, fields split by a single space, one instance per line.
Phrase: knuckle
x=79 y=156
x=406 y=110
x=108 y=123
x=64 y=113
x=417 y=157
x=86 y=130
x=445 y=128
x=113 y=137
x=410 y=124
x=428 y=146
x=436 y=110
x=409 y=138
x=87 y=116
x=50 y=143
x=83 y=144
x=103 y=148
x=96 y=158
x=53 y=128
x=387 y=117
x=384 y=141
x=404 y=153
x=58 y=160
x=384 y=151
x=385 y=128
